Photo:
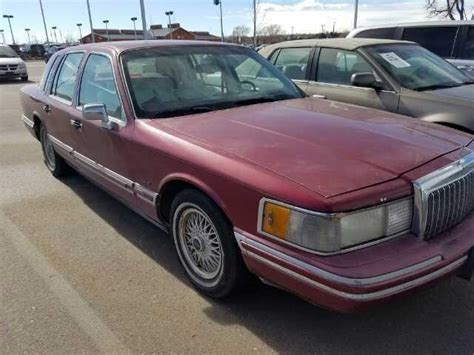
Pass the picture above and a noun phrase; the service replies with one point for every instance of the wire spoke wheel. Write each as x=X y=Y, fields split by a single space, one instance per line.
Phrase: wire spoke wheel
x=200 y=243
x=48 y=150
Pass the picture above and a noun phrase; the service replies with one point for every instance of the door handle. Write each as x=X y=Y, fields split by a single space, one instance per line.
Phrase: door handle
x=76 y=124
x=46 y=108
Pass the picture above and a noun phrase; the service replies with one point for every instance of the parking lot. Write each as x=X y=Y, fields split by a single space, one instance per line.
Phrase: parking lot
x=81 y=273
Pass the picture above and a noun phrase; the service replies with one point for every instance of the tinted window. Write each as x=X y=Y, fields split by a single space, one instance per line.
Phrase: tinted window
x=98 y=85
x=384 y=33
x=439 y=40
x=336 y=66
x=469 y=45
x=65 y=80
x=293 y=62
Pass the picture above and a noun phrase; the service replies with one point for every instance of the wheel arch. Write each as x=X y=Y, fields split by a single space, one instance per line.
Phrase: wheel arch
x=175 y=183
x=36 y=124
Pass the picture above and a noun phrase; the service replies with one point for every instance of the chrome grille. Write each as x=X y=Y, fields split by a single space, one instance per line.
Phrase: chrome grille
x=9 y=67
x=449 y=205
x=3 y=67
x=444 y=197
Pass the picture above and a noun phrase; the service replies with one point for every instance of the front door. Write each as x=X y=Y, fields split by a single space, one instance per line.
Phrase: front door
x=332 y=80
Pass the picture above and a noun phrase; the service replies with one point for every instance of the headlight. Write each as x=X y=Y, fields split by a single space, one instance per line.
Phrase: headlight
x=22 y=65
x=329 y=233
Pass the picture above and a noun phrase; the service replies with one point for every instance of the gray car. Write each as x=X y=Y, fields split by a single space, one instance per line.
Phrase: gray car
x=396 y=76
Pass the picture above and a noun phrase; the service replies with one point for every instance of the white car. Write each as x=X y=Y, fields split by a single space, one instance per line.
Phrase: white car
x=11 y=65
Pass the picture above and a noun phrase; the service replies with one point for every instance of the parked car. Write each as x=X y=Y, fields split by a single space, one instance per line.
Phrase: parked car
x=33 y=50
x=342 y=205
x=452 y=40
x=50 y=51
x=395 y=76
x=11 y=65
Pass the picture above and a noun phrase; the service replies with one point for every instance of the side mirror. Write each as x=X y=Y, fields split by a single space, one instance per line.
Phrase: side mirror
x=97 y=112
x=366 y=80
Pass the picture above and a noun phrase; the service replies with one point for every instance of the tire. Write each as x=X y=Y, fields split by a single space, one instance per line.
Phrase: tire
x=211 y=260
x=55 y=164
x=24 y=78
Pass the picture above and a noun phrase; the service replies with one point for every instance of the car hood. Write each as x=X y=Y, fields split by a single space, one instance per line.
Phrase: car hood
x=465 y=92
x=327 y=147
x=11 y=61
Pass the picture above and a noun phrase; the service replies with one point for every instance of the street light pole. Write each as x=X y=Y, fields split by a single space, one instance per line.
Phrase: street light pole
x=3 y=36
x=79 y=25
x=54 y=33
x=9 y=17
x=356 y=10
x=134 y=27
x=143 y=14
x=169 y=13
x=27 y=30
x=44 y=21
x=90 y=21
x=107 y=29
x=219 y=2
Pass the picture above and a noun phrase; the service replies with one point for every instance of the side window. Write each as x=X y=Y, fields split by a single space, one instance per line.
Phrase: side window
x=273 y=56
x=48 y=74
x=336 y=66
x=439 y=40
x=293 y=62
x=65 y=79
x=98 y=85
x=469 y=45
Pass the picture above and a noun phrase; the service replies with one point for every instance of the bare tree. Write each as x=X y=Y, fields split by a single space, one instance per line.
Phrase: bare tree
x=272 y=33
x=453 y=9
x=240 y=32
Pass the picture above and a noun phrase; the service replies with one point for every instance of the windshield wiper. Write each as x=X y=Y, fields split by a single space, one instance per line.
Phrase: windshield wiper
x=438 y=86
x=262 y=99
x=185 y=111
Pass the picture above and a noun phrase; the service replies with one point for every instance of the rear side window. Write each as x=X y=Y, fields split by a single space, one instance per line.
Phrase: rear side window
x=65 y=80
x=469 y=45
x=336 y=66
x=293 y=62
x=439 y=40
x=383 y=33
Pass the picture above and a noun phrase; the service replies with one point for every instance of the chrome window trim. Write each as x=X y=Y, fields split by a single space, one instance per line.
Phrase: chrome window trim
x=315 y=83
x=119 y=121
x=434 y=181
x=60 y=99
x=327 y=216
x=27 y=121
x=128 y=185
x=363 y=297
x=244 y=240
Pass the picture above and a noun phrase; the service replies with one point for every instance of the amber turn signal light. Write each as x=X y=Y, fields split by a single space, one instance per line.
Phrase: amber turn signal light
x=275 y=220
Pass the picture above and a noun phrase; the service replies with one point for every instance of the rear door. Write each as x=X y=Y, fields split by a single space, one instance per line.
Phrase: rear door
x=332 y=79
x=58 y=105
x=295 y=63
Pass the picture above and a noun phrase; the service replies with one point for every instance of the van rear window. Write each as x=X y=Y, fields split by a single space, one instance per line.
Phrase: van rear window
x=439 y=40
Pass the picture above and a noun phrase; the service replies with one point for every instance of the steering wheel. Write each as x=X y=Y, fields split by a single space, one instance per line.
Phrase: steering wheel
x=421 y=72
x=254 y=87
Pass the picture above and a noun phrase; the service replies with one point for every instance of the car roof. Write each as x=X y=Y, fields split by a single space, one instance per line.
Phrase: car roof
x=121 y=46
x=340 y=43
x=412 y=24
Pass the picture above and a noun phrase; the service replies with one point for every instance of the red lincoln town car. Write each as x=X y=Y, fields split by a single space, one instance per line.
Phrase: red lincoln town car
x=341 y=205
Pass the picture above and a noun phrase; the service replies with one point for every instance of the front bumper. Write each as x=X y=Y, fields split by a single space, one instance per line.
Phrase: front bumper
x=13 y=73
x=354 y=281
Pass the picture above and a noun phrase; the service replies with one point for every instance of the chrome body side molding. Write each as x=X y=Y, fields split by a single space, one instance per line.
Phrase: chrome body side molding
x=27 y=121
x=121 y=181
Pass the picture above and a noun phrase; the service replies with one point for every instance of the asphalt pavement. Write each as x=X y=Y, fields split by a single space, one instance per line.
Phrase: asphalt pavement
x=81 y=273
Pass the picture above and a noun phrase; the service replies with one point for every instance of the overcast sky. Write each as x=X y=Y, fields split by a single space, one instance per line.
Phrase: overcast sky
x=203 y=15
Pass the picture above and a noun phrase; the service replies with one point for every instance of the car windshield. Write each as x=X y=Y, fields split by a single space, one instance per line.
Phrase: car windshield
x=417 y=68
x=7 y=52
x=178 y=80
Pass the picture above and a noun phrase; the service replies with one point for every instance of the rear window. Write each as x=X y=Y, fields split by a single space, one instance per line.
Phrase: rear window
x=439 y=40
x=469 y=45
x=383 y=33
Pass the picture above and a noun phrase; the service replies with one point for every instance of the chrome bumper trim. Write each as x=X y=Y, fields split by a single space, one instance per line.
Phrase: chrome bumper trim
x=243 y=240
x=363 y=297
x=27 y=121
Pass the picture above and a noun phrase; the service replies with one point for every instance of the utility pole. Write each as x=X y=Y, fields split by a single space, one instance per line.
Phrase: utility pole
x=169 y=13
x=143 y=14
x=334 y=27
x=44 y=21
x=27 y=30
x=219 y=2
x=254 y=23
x=134 y=27
x=3 y=36
x=356 y=10
x=9 y=17
x=90 y=21
x=79 y=25
x=323 y=31
x=106 y=29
